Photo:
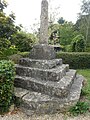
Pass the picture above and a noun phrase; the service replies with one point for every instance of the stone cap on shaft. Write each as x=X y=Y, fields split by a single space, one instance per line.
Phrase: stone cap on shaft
x=42 y=51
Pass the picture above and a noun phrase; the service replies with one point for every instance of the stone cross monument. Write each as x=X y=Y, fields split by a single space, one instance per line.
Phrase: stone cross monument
x=43 y=50
x=43 y=84
x=44 y=23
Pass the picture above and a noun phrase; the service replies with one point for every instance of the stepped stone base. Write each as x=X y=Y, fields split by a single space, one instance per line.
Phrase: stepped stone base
x=36 y=102
x=44 y=84
x=59 y=88
x=54 y=74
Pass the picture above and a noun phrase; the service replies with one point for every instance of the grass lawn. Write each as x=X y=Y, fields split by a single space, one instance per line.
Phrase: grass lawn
x=86 y=88
x=83 y=105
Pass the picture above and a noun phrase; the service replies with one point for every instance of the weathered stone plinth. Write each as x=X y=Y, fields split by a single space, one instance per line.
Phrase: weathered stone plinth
x=59 y=88
x=39 y=103
x=46 y=86
x=42 y=51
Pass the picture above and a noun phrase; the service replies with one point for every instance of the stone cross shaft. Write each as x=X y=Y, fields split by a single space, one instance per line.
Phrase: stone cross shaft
x=44 y=23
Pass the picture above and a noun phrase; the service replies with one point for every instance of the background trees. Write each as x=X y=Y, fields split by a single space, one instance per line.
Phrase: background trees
x=67 y=31
x=24 y=41
x=12 y=39
x=64 y=33
x=83 y=22
x=7 y=28
x=78 y=44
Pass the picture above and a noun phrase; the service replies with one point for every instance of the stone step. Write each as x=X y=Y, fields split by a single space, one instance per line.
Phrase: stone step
x=42 y=64
x=36 y=102
x=54 y=74
x=60 y=88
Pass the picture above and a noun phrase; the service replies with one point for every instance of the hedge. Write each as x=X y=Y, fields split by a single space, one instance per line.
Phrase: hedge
x=77 y=60
x=7 y=73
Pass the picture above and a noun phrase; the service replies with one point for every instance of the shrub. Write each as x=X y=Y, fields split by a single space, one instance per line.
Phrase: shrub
x=68 y=48
x=7 y=73
x=16 y=57
x=24 y=41
x=78 y=44
x=4 y=43
x=77 y=60
x=10 y=51
x=7 y=52
x=79 y=108
x=88 y=49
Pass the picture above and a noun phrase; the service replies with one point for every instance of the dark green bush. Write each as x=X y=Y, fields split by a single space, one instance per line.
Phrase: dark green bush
x=78 y=44
x=24 y=41
x=77 y=60
x=7 y=73
x=8 y=52
x=68 y=48
x=88 y=49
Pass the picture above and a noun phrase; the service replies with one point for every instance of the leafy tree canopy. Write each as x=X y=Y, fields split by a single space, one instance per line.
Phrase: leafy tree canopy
x=83 y=22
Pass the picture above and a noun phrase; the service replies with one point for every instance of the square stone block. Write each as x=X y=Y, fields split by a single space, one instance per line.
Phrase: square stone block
x=42 y=51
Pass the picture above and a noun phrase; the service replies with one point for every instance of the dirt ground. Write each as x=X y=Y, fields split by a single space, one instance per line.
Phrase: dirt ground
x=18 y=115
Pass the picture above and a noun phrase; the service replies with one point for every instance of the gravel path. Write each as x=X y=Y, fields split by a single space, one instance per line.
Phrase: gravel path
x=21 y=116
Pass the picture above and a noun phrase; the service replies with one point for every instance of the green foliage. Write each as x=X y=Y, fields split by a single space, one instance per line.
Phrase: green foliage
x=7 y=73
x=16 y=57
x=12 y=39
x=65 y=31
x=53 y=33
x=4 y=44
x=68 y=48
x=24 y=54
x=7 y=32
x=86 y=88
x=84 y=92
x=88 y=49
x=83 y=22
x=79 y=108
x=83 y=107
x=11 y=50
x=24 y=41
x=78 y=44
x=76 y=60
x=7 y=27
x=6 y=52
